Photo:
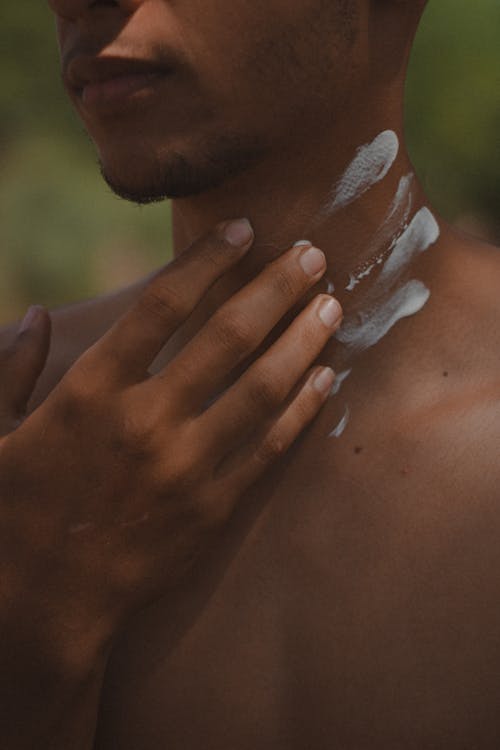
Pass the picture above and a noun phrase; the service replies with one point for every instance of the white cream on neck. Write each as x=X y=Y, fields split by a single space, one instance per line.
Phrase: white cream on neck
x=389 y=231
x=382 y=308
x=339 y=380
x=365 y=329
x=418 y=237
x=340 y=428
x=370 y=165
x=395 y=246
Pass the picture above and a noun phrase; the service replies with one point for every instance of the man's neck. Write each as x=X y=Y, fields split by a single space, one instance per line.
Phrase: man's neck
x=360 y=203
x=350 y=201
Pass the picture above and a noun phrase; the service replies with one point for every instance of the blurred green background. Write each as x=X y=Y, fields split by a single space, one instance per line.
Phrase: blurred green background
x=64 y=236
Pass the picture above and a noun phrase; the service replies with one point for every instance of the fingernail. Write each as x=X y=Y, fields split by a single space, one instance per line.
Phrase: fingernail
x=313 y=261
x=330 y=312
x=302 y=243
x=324 y=380
x=239 y=233
x=29 y=318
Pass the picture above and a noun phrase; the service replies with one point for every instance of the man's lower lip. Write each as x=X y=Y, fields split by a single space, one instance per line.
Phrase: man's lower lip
x=118 y=90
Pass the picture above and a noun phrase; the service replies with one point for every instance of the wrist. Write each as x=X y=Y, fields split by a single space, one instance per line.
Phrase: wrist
x=62 y=637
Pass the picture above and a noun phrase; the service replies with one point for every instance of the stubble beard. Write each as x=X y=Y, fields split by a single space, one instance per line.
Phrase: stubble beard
x=174 y=174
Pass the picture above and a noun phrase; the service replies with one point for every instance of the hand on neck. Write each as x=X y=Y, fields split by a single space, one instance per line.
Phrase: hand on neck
x=351 y=202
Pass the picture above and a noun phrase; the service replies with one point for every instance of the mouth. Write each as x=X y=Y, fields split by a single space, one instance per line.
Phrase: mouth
x=104 y=82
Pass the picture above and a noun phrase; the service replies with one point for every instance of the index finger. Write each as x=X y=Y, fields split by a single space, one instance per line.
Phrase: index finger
x=140 y=334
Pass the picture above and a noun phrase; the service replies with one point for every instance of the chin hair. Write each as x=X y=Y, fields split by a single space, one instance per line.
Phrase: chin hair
x=174 y=175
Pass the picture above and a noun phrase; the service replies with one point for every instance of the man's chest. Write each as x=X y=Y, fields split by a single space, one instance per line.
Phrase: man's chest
x=353 y=608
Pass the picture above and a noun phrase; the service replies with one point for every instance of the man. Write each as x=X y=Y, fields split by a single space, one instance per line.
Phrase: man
x=354 y=603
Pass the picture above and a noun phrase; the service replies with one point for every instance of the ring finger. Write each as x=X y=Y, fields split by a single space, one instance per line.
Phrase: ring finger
x=264 y=387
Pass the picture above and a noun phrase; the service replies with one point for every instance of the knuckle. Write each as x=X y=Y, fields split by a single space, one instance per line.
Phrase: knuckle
x=74 y=389
x=306 y=405
x=133 y=436
x=72 y=401
x=182 y=466
x=218 y=253
x=284 y=284
x=210 y=250
x=270 y=450
x=163 y=302
x=232 y=331
x=80 y=391
x=311 y=337
x=267 y=389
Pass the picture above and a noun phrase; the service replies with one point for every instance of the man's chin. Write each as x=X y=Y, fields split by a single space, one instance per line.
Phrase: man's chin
x=173 y=182
x=141 y=194
x=176 y=176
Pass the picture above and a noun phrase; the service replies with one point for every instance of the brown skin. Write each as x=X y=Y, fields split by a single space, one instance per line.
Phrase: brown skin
x=113 y=487
x=354 y=603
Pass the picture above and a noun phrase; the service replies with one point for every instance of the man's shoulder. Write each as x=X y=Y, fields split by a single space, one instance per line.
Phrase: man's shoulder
x=468 y=293
x=462 y=415
x=475 y=273
x=450 y=392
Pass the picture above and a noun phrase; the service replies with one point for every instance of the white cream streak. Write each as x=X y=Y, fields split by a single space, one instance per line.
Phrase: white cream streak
x=389 y=231
x=418 y=237
x=331 y=286
x=370 y=165
x=354 y=280
x=396 y=220
x=338 y=431
x=339 y=380
x=365 y=329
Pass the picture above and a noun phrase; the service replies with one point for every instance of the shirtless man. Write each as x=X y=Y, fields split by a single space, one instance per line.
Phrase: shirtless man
x=353 y=604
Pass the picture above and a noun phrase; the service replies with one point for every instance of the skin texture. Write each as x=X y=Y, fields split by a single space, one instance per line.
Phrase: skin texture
x=354 y=602
x=214 y=132
x=114 y=486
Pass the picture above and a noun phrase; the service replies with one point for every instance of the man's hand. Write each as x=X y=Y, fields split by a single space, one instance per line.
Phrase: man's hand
x=119 y=478
x=114 y=485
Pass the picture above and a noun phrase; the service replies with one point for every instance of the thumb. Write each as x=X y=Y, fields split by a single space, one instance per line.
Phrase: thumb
x=24 y=361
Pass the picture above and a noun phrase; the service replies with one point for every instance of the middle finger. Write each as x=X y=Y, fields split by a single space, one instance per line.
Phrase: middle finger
x=238 y=328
